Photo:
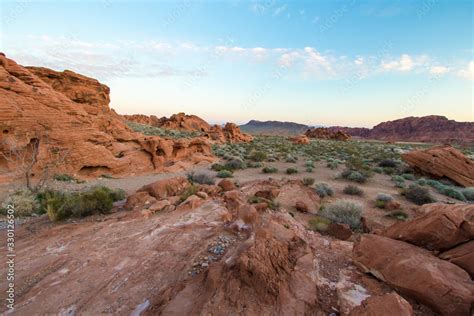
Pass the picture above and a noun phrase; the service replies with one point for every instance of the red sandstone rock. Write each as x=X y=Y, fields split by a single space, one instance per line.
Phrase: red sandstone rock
x=68 y=114
x=339 y=231
x=182 y=121
x=165 y=188
x=301 y=206
x=139 y=200
x=325 y=133
x=230 y=133
x=151 y=120
x=301 y=139
x=462 y=255
x=416 y=272
x=392 y=205
x=442 y=226
x=227 y=185
x=443 y=161
x=389 y=304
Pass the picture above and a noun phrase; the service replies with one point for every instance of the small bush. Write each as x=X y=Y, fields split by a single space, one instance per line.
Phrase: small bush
x=98 y=200
x=408 y=176
x=399 y=215
x=235 y=164
x=309 y=169
x=308 y=181
x=388 y=163
x=353 y=190
x=24 y=201
x=309 y=164
x=354 y=176
x=254 y=164
x=269 y=170
x=319 y=224
x=258 y=156
x=422 y=182
x=343 y=212
x=224 y=174
x=191 y=190
x=454 y=193
x=291 y=159
x=291 y=171
x=468 y=193
x=217 y=167
x=201 y=178
x=332 y=165
x=419 y=195
x=64 y=177
x=118 y=195
x=384 y=197
x=378 y=170
x=323 y=189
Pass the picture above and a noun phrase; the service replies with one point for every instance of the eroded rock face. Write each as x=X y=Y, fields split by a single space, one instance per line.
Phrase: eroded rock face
x=67 y=114
x=389 y=304
x=443 y=161
x=416 y=272
x=151 y=120
x=165 y=188
x=181 y=121
x=326 y=133
x=441 y=227
x=230 y=133
x=462 y=255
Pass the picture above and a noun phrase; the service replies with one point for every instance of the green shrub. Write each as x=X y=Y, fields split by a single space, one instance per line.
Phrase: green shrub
x=64 y=177
x=235 y=164
x=118 y=195
x=422 y=182
x=309 y=164
x=384 y=197
x=291 y=159
x=408 y=176
x=468 y=193
x=254 y=164
x=63 y=205
x=217 y=167
x=353 y=190
x=24 y=202
x=419 y=195
x=308 y=181
x=323 y=189
x=399 y=215
x=258 y=156
x=378 y=170
x=343 y=212
x=191 y=190
x=354 y=176
x=332 y=165
x=224 y=174
x=269 y=170
x=291 y=171
x=388 y=163
x=454 y=193
x=319 y=224
x=309 y=169
x=200 y=177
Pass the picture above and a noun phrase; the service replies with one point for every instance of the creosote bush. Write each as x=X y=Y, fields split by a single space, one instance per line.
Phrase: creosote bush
x=269 y=170
x=258 y=156
x=354 y=176
x=419 y=195
x=224 y=174
x=308 y=181
x=343 y=212
x=468 y=193
x=291 y=171
x=323 y=189
x=235 y=164
x=353 y=190
x=24 y=201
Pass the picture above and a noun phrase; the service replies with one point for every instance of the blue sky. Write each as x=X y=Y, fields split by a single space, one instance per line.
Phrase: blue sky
x=353 y=63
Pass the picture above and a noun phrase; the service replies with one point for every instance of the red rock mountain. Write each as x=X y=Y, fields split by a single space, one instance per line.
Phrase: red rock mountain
x=64 y=112
x=431 y=128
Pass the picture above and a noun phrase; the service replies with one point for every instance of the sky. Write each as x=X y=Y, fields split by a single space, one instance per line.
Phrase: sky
x=350 y=63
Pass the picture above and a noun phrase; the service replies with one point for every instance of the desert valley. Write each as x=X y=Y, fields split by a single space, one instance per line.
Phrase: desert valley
x=260 y=157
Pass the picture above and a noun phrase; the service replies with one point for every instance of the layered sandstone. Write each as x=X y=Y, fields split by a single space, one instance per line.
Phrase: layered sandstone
x=325 y=133
x=443 y=161
x=67 y=114
x=230 y=133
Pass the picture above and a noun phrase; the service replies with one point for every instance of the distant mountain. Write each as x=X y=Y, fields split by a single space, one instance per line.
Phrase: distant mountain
x=433 y=128
x=274 y=128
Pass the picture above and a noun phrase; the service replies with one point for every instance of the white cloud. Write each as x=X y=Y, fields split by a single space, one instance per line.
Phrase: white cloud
x=405 y=63
x=359 y=61
x=439 y=70
x=279 y=10
x=467 y=73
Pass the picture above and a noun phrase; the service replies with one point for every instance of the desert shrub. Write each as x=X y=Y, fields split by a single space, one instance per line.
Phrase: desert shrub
x=332 y=165
x=323 y=189
x=64 y=177
x=377 y=170
x=399 y=215
x=118 y=194
x=454 y=193
x=308 y=181
x=291 y=159
x=354 y=176
x=435 y=184
x=273 y=205
x=254 y=164
x=24 y=201
x=398 y=178
x=353 y=190
x=258 y=156
x=235 y=164
x=269 y=170
x=408 y=176
x=106 y=176
x=309 y=164
x=419 y=195
x=422 y=182
x=62 y=205
x=190 y=190
x=200 y=177
x=254 y=199
x=388 y=163
x=343 y=212
x=309 y=169
x=224 y=174
x=217 y=167
x=388 y=170
x=468 y=193
x=384 y=197
x=291 y=171
x=319 y=224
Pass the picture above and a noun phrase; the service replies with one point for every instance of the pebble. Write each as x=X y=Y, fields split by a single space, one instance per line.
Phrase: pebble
x=216 y=248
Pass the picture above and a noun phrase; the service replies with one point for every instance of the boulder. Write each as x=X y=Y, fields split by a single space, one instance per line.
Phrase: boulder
x=392 y=205
x=181 y=121
x=462 y=255
x=389 y=304
x=230 y=133
x=268 y=194
x=227 y=185
x=300 y=139
x=326 y=133
x=165 y=188
x=301 y=206
x=442 y=226
x=139 y=200
x=339 y=231
x=443 y=161
x=414 y=271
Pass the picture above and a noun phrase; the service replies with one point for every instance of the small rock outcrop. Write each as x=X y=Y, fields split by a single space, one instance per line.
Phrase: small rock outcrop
x=443 y=161
x=300 y=139
x=230 y=133
x=389 y=304
x=326 y=133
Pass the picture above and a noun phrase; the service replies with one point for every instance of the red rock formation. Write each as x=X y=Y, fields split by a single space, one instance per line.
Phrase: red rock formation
x=185 y=122
x=462 y=255
x=325 y=133
x=389 y=304
x=230 y=133
x=431 y=128
x=64 y=112
x=416 y=272
x=151 y=120
x=443 y=161
x=442 y=226
x=301 y=139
